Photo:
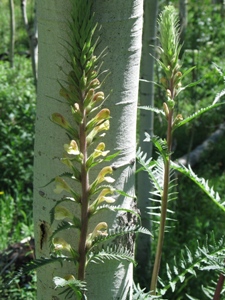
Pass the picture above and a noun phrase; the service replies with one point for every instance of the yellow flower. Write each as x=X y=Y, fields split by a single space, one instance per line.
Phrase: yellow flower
x=61 y=213
x=102 y=196
x=102 y=127
x=99 y=151
x=72 y=148
x=61 y=244
x=101 y=176
x=69 y=277
x=100 y=230
x=61 y=185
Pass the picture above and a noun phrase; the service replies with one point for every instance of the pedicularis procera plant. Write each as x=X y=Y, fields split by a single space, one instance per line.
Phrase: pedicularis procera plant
x=84 y=152
x=211 y=255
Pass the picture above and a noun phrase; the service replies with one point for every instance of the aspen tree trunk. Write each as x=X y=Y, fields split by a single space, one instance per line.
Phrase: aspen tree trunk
x=121 y=33
x=12 y=33
x=146 y=123
x=183 y=13
x=32 y=34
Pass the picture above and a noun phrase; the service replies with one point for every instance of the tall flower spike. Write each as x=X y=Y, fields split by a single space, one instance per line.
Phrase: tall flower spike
x=169 y=39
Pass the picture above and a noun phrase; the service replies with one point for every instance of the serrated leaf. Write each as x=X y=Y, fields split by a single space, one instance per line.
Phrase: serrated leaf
x=116 y=252
x=196 y=114
x=201 y=182
x=119 y=231
x=153 y=109
x=64 y=225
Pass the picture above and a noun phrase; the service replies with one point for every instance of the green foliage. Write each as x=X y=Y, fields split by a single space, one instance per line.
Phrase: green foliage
x=21 y=39
x=17 y=109
x=111 y=252
x=7 y=212
x=209 y=257
x=17 y=115
x=16 y=290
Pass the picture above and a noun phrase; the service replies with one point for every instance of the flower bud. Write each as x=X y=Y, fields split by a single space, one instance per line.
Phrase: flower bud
x=166 y=109
x=89 y=97
x=83 y=81
x=99 y=97
x=178 y=119
x=60 y=120
x=64 y=93
x=171 y=103
x=95 y=83
x=168 y=93
x=104 y=114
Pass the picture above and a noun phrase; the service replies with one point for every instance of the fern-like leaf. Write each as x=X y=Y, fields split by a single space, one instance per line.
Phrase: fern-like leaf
x=64 y=225
x=209 y=291
x=155 y=170
x=218 y=96
x=197 y=114
x=73 y=285
x=201 y=182
x=160 y=144
x=153 y=109
x=148 y=165
x=209 y=257
x=116 y=208
x=119 y=231
x=140 y=294
x=116 y=252
x=37 y=263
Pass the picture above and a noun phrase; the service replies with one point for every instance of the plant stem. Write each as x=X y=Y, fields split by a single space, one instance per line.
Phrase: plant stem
x=84 y=200
x=219 y=287
x=163 y=207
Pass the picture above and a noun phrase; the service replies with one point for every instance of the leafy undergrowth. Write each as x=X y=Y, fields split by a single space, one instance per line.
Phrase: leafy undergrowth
x=17 y=115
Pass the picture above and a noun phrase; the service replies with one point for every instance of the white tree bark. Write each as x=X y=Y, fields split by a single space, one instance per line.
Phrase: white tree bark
x=32 y=34
x=121 y=32
x=146 y=124
x=12 y=33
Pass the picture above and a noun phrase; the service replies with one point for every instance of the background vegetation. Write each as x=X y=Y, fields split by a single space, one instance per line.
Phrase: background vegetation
x=17 y=116
x=196 y=216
